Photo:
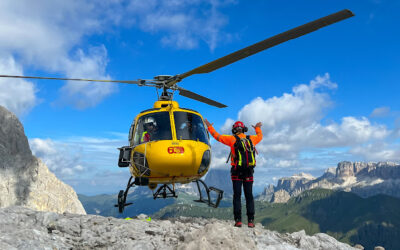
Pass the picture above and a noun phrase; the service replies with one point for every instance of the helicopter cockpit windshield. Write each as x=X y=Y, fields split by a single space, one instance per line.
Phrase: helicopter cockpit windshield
x=190 y=126
x=153 y=127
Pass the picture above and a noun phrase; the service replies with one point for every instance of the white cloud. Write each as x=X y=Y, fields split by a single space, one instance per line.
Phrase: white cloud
x=62 y=159
x=378 y=151
x=44 y=31
x=17 y=95
x=296 y=138
x=303 y=106
x=219 y=156
x=227 y=127
x=292 y=122
x=89 y=164
x=92 y=66
x=183 y=23
x=380 y=112
x=46 y=35
x=49 y=35
x=77 y=154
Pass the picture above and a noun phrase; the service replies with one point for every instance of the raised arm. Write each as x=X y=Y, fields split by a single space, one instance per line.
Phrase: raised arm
x=258 y=137
x=228 y=140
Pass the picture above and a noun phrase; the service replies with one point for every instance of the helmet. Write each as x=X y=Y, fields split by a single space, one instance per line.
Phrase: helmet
x=149 y=121
x=237 y=125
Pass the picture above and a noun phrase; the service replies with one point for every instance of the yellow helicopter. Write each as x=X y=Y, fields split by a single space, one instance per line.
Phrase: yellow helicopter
x=170 y=144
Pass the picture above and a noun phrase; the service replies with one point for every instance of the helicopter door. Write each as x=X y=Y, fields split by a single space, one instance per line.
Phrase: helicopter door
x=124 y=156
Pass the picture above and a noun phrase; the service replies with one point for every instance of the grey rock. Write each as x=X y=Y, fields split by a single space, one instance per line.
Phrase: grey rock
x=22 y=227
x=267 y=194
x=24 y=179
x=280 y=196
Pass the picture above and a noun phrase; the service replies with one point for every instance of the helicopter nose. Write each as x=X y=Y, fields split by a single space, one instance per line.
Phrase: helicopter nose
x=178 y=158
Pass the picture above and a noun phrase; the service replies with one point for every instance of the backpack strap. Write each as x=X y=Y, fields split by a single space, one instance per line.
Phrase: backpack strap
x=252 y=151
x=238 y=155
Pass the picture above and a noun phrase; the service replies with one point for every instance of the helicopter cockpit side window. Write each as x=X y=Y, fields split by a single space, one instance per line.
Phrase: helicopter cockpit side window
x=153 y=127
x=190 y=126
x=131 y=131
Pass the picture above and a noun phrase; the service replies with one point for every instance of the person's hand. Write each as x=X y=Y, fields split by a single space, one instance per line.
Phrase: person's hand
x=208 y=123
x=258 y=125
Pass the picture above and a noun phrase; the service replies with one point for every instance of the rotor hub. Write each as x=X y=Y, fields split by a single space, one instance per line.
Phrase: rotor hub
x=162 y=77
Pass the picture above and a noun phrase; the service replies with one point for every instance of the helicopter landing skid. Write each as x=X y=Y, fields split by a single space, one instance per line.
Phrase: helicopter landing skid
x=208 y=190
x=122 y=197
x=165 y=191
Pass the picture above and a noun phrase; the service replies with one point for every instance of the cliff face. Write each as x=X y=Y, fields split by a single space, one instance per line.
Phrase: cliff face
x=364 y=179
x=24 y=179
x=381 y=170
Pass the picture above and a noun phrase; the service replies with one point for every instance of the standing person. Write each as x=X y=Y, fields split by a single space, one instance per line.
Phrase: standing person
x=243 y=163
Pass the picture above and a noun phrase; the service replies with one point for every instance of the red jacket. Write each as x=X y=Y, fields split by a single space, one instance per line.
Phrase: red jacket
x=230 y=140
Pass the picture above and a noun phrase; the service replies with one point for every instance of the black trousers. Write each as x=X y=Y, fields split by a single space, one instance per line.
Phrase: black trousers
x=248 y=194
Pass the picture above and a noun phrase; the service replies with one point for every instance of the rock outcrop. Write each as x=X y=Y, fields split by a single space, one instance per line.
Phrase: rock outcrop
x=364 y=179
x=280 y=196
x=22 y=228
x=24 y=179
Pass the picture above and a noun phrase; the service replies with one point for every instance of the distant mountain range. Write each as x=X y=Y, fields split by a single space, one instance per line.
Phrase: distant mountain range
x=364 y=179
x=220 y=178
x=346 y=216
x=141 y=198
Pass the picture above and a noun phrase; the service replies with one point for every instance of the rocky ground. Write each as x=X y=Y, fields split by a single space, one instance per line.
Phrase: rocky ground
x=23 y=228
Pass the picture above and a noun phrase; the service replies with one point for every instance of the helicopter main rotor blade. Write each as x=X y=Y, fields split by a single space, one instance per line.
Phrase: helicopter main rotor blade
x=72 y=79
x=197 y=97
x=267 y=43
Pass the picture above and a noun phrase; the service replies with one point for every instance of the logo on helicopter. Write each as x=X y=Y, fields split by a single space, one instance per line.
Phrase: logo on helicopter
x=176 y=150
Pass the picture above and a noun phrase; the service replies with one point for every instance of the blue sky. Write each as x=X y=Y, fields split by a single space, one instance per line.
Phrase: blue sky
x=325 y=97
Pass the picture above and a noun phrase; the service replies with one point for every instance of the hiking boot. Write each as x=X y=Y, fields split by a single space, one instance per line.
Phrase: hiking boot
x=238 y=224
x=251 y=224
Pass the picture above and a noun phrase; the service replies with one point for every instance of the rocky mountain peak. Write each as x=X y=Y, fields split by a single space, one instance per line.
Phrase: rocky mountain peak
x=383 y=170
x=26 y=180
x=303 y=176
x=293 y=182
x=363 y=178
x=13 y=141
